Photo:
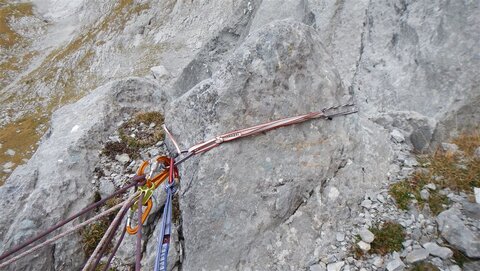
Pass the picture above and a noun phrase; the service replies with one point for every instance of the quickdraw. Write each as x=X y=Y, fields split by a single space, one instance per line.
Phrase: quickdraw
x=153 y=181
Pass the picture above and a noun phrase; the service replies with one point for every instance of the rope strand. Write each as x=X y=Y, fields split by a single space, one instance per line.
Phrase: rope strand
x=68 y=232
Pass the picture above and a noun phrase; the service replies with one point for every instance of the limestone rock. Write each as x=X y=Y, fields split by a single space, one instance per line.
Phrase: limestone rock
x=335 y=266
x=245 y=93
x=160 y=72
x=54 y=190
x=397 y=136
x=453 y=229
x=366 y=235
x=417 y=255
x=318 y=267
x=424 y=194
x=364 y=246
x=436 y=250
x=395 y=265
x=122 y=158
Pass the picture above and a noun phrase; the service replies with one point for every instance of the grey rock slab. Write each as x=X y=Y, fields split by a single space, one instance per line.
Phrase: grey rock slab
x=431 y=186
x=281 y=70
x=364 y=246
x=395 y=265
x=366 y=204
x=318 y=267
x=424 y=194
x=160 y=72
x=340 y=236
x=106 y=188
x=436 y=250
x=455 y=268
x=397 y=136
x=53 y=190
x=378 y=261
x=335 y=266
x=122 y=158
x=366 y=235
x=454 y=230
x=417 y=255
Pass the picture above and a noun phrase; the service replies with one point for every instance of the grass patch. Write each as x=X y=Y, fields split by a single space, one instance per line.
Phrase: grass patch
x=144 y=136
x=388 y=238
x=424 y=266
x=138 y=126
x=112 y=149
x=459 y=172
x=92 y=235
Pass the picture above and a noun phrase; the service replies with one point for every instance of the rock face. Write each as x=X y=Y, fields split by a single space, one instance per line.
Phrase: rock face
x=56 y=181
x=280 y=71
x=273 y=201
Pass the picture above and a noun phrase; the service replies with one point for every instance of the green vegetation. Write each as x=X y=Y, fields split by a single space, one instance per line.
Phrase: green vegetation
x=404 y=191
x=388 y=238
x=456 y=171
x=424 y=266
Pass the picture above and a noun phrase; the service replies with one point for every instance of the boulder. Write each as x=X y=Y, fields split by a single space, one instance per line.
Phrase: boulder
x=282 y=70
x=453 y=229
x=438 y=251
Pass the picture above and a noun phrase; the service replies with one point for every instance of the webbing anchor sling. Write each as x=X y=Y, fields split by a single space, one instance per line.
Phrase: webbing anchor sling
x=163 y=242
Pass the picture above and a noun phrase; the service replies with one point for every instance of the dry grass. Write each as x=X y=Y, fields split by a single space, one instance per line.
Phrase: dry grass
x=459 y=172
x=146 y=138
x=92 y=235
x=424 y=266
x=20 y=136
x=8 y=37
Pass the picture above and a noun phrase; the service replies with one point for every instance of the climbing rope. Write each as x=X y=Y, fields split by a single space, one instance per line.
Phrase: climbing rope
x=66 y=233
x=161 y=168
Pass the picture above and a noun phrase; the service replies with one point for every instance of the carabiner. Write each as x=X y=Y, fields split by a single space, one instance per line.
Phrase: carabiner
x=145 y=214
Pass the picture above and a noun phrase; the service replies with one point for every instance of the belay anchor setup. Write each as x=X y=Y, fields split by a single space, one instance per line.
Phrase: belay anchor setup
x=161 y=168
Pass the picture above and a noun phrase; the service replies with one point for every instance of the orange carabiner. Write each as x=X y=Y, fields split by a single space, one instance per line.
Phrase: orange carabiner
x=160 y=177
x=145 y=214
